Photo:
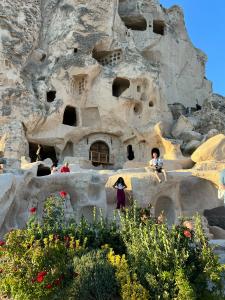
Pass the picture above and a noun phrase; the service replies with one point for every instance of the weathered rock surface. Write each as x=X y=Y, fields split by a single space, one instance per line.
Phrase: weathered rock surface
x=212 y=149
x=74 y=73
x=99 y=84
x=89 y=189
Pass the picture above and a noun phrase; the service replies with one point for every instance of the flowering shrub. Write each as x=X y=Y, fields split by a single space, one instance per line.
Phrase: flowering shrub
x=139 y=259
x=174 y=263
x=36 y=268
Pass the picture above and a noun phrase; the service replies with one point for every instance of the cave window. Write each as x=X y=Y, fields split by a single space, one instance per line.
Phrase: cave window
x=158 y=27
x=51 y=96
x=99 y=153
x=138 y=88
x=70 y=116
x=44 y=152
x=75 y=50
x=130 y=152
x=43 y=171
x=151 y=104
x=119 y=86
x=132 y=22
x=107 y=57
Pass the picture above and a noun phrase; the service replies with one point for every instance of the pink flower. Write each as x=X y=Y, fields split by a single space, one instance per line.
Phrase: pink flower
x=33 y=210
x=187 y=233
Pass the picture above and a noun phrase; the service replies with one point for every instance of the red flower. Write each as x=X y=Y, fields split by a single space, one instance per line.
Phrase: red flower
x=1 y=270
x=63 y=194
x=33 y=210
x=187 y=233
x=41 y=276
x=33 y=280
x=48 y=286
x=2 y=243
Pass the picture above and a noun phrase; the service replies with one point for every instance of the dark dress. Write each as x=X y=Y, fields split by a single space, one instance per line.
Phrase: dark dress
x=120 y=198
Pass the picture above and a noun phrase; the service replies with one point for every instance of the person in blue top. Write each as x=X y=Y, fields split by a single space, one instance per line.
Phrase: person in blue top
x=222 y=184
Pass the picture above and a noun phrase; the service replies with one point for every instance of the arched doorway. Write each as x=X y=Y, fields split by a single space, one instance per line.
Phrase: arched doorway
x=99 y=153
x=166 y=205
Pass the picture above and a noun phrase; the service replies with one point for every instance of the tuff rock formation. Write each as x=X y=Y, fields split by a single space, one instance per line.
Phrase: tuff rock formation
x=99 y=84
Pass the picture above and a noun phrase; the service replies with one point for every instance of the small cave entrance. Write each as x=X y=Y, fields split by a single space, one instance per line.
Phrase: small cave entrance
x=99 y=153
x=119 y=86
x=138 y=23
x=70 y=116
x=159 y=27
x=39 y=152
x=130 y=153
x=43 y=171
x=166 y=206
x=51 y=95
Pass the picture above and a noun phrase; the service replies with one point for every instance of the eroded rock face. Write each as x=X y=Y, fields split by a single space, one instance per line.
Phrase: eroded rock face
x=89 y=189
x=96 y=83
x=74 y=73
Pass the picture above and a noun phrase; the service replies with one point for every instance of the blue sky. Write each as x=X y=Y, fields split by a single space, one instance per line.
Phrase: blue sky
x=205 y=22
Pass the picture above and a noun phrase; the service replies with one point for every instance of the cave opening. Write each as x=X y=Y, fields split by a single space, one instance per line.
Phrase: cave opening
x=119 y=86
x=70 y=116
x=51 y=95
x=159 y=27
x=38 y=152
x=130 y=152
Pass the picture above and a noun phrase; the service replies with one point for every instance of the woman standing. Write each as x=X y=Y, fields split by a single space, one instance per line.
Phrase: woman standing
x=120 y=186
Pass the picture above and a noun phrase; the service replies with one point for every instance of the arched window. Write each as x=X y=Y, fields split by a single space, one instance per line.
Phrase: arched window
x=99 y=153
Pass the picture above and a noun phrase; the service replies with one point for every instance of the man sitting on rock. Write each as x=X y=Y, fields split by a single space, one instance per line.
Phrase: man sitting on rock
x=157 y=164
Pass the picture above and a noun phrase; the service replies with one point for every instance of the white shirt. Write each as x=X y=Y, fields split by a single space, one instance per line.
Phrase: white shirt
x=156 y=162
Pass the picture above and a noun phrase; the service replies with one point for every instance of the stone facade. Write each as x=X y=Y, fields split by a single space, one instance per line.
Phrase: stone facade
x=77 y=70
x=99 y=84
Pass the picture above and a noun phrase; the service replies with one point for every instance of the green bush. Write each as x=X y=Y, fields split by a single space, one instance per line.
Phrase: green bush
x=174 y=263
x=95 y=278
